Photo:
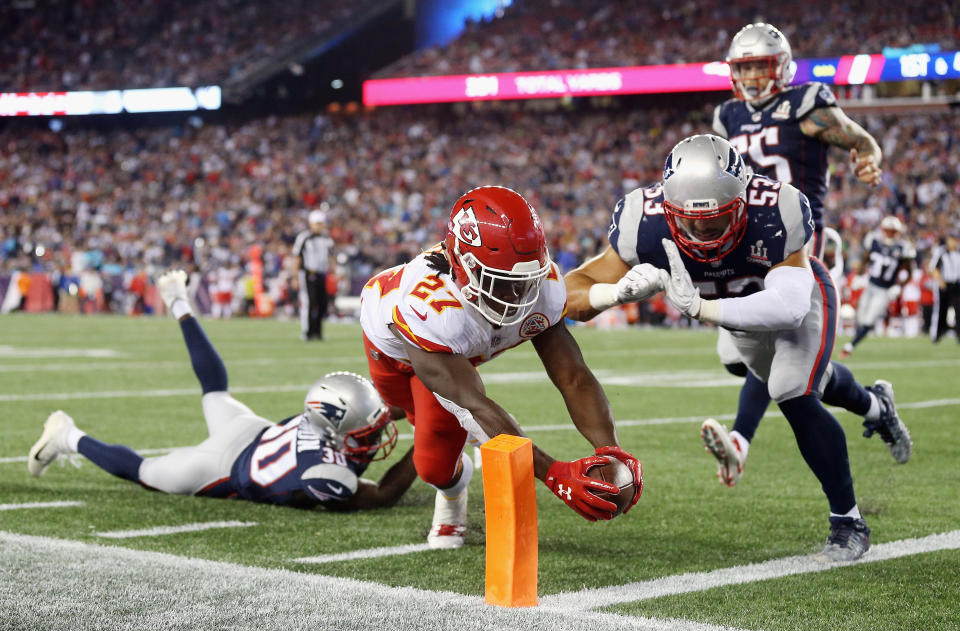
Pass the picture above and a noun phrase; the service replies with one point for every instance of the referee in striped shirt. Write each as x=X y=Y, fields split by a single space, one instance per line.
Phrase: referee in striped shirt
x=311 y=252
x=945 y=268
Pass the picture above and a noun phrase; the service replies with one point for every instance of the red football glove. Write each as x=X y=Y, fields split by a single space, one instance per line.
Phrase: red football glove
x=569 y=481
x=632 y=463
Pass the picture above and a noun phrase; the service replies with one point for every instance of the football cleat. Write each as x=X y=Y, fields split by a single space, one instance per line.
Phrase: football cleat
x=725 y=449
x=847 y=350
x=449 y=528
x=891 y=429
x=849 y=539
x=172 y=286
x=52 y=443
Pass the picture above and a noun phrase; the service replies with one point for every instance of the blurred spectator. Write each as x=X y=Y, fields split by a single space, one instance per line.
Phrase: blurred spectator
x=567 y=34
x=114 y=204
x=113 y=44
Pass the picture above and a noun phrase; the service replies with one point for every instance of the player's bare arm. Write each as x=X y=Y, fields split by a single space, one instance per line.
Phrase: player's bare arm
x=586 y=402
x=606 y=281
x=606 y=267
x=454 y=378
x=386 y=491
x=832 y=126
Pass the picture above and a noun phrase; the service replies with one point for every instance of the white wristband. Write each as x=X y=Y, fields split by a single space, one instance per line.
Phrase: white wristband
x=180 y=308
x=710 y=311
x=602 y=296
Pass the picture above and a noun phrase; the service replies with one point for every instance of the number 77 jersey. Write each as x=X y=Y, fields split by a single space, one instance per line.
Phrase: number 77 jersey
x=778 y=224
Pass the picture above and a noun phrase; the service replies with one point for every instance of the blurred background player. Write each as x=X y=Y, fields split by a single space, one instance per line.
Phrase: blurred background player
x=313 y=458
x=427 y=325
x=886 y=253
x=782 y=132
x=945 y=269
x=742 y=240
x=223 y=280
x=312 y=251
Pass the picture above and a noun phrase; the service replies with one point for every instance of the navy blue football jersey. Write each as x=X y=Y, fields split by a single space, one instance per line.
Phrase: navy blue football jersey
x=772 y=144
x=884 y=259
x=779 y=223
x=289 y=463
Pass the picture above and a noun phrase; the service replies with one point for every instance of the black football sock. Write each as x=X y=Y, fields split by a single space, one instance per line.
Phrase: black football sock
x=861 y=333
x=754 y=400
x=824 y=447
x=118 y=460
x=843 y=391
x=207 y=364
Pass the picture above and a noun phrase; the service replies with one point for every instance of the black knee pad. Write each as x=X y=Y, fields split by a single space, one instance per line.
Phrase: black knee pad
x=739 y=369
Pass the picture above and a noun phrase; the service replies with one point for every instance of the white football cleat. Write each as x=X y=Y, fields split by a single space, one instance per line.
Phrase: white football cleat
x=52 y=443
x=725 y=449
x=172 y=286
x=449 y=522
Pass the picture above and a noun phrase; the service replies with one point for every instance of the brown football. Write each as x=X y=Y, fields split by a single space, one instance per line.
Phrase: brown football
x=618 y=474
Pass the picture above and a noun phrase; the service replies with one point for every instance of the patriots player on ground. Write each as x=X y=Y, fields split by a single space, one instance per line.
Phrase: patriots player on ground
x=783 y=132
x=313 y=458
x=887 y=254
x=427 y=324
x=741 y=241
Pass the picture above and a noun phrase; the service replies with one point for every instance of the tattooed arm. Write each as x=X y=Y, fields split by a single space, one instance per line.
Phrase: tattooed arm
x=832 y=126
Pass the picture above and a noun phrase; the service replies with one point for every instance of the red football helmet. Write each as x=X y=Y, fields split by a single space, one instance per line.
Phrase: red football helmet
x=497 y=252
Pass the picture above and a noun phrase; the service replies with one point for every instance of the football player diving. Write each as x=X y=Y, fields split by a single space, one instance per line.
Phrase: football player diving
x=313 y=458
x=488 y=287
x=887 y=253
x=782 y=132
x=729 y=249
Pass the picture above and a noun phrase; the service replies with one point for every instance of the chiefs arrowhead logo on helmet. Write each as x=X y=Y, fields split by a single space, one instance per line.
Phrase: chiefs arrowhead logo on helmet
x=497 y=252
x=464 y=225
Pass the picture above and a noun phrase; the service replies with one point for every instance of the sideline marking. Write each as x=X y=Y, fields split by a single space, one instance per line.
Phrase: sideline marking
x=775 y=568
x=39 y=505
x=370 y=553
x=167 y=591
x=666 y=420
x=172 y=530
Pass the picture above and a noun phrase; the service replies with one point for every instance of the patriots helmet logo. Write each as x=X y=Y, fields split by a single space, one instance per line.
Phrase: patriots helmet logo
x=668 y=167
x=333 y=413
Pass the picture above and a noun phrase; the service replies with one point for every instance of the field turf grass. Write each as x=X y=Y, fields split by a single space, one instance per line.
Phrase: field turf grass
x=128 y=380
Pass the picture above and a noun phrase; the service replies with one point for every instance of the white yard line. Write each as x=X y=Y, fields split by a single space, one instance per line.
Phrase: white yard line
x=36 y=352
x=173 y=530
x=666 y=420
x=370 y=553
x=776 y=568
x=183 y=363
x=39 y=505
x=98 y=586
x=653 y=379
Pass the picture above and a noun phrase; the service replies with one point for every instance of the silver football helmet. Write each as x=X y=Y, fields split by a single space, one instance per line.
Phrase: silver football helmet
x=891 y=227
x=346 y=409
x=704 y=197
x=761 y=63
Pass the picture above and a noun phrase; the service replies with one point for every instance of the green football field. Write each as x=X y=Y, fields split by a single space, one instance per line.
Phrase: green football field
x=691 y=555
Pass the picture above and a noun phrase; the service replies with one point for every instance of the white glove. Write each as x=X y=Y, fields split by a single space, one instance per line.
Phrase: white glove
x=677 y=283
x=639 y=283
x=893 y=292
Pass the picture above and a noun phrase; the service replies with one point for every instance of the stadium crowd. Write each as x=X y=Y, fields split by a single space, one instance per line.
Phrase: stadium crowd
x=120 y=44
x=562 y=34
x=125 y=203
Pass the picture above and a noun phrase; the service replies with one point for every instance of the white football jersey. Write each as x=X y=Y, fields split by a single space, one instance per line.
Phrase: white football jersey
x=430 y=311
